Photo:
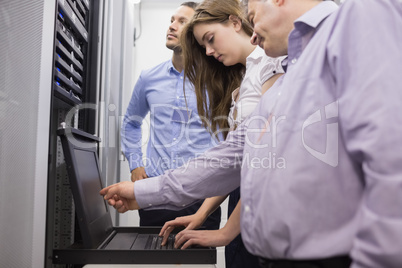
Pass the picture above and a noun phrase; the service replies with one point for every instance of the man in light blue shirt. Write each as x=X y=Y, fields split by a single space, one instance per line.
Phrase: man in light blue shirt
x=176 y=131
x=320 y=171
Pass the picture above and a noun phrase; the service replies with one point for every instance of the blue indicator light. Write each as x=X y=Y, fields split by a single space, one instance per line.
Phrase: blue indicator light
x=58 y=69
x=58 y=83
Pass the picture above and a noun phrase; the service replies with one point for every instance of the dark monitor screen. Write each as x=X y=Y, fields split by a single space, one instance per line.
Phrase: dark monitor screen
x=90 y=184
x=80 y=153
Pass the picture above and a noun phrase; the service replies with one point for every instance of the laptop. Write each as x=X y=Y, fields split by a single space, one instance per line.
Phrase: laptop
x=102 y=243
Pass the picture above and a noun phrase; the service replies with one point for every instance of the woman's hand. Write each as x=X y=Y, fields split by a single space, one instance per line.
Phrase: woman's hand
x=205 y=238
x=191 y=222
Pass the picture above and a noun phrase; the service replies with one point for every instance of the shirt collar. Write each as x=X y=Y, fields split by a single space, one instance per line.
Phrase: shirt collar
x=171 y=68
x=256 y=54
x=305 y=28
x=312 y=18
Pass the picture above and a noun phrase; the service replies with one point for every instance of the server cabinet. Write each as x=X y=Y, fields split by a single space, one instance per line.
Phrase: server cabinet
x=74 y=102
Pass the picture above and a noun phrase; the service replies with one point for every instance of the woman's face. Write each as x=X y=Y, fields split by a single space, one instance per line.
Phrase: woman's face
x=219 y=41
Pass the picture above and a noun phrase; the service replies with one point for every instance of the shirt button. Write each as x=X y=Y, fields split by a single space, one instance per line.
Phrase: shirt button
x=247 y=208
x=150 y=205
x=181 y=77
x=294 y=61
x=174 y=139
x=177 y=97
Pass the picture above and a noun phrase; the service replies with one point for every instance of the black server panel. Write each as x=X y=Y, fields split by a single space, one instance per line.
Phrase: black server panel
x=74 y=83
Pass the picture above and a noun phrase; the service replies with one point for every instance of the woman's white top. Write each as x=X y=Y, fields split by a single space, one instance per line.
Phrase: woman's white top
x=259 y=68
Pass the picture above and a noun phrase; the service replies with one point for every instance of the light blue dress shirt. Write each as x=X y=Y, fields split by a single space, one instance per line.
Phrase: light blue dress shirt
x=176 y=131
x=319 y=161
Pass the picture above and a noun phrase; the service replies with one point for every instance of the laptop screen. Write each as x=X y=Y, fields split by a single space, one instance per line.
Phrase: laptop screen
x=90 y=184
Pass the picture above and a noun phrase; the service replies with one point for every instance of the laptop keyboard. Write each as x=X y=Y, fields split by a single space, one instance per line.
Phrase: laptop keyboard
x=135 y=241
x=154 y=242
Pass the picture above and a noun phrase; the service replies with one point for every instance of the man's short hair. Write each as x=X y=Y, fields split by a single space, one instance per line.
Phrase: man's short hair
x=190 y=4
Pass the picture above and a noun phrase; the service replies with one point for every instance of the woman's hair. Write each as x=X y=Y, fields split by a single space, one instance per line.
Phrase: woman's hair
x=213 y=81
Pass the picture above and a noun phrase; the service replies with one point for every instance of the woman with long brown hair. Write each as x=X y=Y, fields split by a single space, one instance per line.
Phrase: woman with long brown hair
x=229 y=75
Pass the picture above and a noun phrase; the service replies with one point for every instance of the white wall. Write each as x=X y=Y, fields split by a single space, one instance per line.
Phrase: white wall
x=150 y=49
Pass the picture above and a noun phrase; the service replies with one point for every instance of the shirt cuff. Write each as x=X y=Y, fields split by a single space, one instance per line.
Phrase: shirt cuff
x=148 y=192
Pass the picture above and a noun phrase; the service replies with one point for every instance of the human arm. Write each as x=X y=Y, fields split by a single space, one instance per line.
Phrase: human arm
x=219 y=167
x=121 y=196
x=371 y=122
x=194 y=221
x=131 y=137
x=269 y=83
x=216 y=172
x=211 y=238
x=116 y=200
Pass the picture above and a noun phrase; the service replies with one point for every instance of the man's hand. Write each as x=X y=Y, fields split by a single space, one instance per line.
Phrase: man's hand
x=138 y=174
x=121 y=196
x=191 y=222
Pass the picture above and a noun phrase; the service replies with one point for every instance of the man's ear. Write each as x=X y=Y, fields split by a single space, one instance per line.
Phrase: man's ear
x=236 y=21
x=278 y=2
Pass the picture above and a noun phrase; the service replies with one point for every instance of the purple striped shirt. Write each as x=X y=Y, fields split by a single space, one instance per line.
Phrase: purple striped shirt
x=319 y=161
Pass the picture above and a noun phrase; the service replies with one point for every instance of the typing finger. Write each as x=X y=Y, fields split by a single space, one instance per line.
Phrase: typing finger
x=166 y=234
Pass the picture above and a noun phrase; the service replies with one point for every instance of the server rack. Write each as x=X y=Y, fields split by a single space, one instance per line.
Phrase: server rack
x=74 y=88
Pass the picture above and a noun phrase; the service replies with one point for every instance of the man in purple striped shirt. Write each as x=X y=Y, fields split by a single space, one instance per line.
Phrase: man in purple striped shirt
x=321 y=170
